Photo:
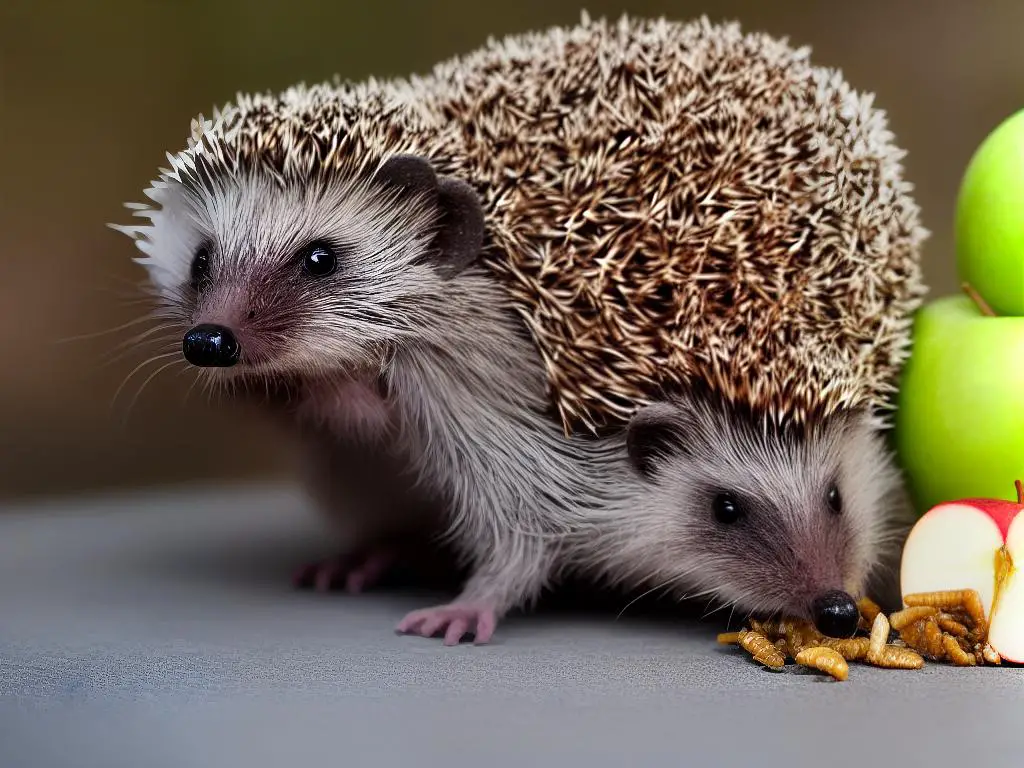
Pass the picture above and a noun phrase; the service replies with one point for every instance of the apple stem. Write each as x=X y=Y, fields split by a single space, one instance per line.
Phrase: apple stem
x=982 y=305
x=1020 y=491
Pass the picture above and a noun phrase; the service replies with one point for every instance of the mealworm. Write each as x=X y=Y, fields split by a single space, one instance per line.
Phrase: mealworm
x=824 y=659
x=895 y=657
x=925 y=637
x=879 y=634
x=908 y=616
x=968 y=599
x=850 y=648
x=761 y=648
x=949 y=624
x=868 y=610
x=956 y=654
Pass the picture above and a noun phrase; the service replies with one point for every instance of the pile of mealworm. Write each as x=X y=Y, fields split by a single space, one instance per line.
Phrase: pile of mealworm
x=937 y=626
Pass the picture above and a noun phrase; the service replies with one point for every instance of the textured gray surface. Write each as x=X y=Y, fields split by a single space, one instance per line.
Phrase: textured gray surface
x=160 y=631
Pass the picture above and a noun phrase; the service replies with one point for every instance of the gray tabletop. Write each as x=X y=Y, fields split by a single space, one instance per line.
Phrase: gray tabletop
x=160 y=630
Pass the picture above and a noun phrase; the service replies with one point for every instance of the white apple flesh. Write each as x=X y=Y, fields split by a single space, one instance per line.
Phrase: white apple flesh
x=973 y=544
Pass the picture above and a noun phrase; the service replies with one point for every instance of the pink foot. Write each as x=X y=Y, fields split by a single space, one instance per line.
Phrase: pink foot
x=456 y=619
x=359 y=571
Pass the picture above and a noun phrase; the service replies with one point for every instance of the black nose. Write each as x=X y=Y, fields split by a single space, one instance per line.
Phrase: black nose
x=211 y=346
x=835 y=614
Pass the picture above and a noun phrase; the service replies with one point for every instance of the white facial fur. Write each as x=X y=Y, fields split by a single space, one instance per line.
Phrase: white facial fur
x=287 y=321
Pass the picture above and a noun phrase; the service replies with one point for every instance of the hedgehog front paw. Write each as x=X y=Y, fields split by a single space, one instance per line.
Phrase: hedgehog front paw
x=455 y=620
x=356 y=572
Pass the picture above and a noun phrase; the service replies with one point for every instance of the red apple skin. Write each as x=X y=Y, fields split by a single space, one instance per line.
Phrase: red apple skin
x=1000 y=510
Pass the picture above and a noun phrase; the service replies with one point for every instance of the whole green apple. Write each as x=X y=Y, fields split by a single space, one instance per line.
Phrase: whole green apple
x=990 y=219
x=959 y=425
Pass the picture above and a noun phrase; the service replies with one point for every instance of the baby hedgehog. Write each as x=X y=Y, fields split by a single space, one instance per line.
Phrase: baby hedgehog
x=624 y=299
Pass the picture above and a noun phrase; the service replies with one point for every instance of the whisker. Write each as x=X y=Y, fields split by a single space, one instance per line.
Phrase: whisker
x=689 y=596
x=191 y=388
x=136 y=369
x=663 y=585
x=146 y=336
x=97 y=334
x=716 y=610
x=105 y=332
x=211 y=387
x=138 y=338
x=149 y=378
x=115 y=356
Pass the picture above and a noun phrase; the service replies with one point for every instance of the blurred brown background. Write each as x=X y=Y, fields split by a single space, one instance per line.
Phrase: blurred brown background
x=93 y=93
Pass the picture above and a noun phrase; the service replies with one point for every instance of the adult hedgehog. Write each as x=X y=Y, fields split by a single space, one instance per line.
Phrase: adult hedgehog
x=480 y=275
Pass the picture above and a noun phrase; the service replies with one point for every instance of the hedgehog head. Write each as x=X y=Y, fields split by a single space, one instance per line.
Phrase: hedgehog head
x=766 y=518
x=283 y=247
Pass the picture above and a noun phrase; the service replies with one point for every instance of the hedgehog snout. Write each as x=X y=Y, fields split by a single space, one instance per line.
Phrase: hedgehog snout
x=211 y=346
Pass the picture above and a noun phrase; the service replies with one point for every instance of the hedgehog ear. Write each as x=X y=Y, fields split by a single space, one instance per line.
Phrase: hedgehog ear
x=655 y=433
x=460 y=235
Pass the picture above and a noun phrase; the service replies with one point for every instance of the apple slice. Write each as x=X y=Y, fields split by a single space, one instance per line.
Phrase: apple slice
x=973 y=544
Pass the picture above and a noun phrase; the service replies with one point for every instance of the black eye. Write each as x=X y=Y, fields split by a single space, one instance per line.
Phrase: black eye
x=318 y=260
x=834 y=500
x=727 y=508
x=200 y=266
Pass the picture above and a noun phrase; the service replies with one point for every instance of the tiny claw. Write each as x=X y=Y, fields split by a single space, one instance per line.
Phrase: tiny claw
x=355 y=582
x=325 y=577
x=456 y=630
x=455 y=620
x=410 y=622
x=434 y=622
x=359 y=571
x=485 y=626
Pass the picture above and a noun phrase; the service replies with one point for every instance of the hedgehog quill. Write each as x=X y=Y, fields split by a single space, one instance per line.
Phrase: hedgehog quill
x=622 y=299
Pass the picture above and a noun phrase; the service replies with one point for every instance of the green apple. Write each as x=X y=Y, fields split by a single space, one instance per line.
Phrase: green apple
x=990 y=219
x=959 y=425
